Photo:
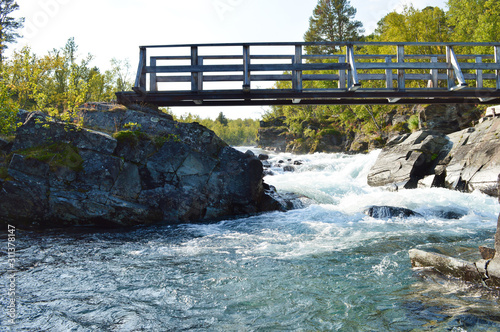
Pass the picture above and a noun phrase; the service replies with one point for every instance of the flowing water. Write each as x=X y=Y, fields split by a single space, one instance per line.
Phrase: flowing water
x=327 y=267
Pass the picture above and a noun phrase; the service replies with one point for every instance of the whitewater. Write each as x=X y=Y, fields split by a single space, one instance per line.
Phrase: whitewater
x=325 y=267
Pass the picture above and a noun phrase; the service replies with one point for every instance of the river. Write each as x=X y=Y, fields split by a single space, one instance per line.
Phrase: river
x=326 y=267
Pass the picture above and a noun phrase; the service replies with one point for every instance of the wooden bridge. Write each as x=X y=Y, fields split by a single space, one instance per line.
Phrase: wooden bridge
x=354 y=73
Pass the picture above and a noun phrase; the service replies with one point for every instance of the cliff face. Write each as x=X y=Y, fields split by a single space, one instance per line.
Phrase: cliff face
x=59 y=175
x=467 y=160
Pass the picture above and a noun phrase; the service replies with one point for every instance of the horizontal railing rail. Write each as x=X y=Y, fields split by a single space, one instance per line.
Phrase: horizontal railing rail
x=351 y=67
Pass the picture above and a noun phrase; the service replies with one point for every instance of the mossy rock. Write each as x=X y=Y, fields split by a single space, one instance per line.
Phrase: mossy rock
x=56 y=155
x=130 y=137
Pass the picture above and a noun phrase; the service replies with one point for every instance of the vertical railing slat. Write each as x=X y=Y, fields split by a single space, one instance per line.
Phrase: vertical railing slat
x=342 y=74
x=194 y=62
x=297 y=73
x=153 y=85
x=246 y=68
x=434 y=73
x=479 y=74
x=388 y=74
x=401 y=72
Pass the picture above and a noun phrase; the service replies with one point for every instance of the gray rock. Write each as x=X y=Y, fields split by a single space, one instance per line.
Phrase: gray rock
x=475 y=159
x=188 y=175
x=39 y=130
x=383 y=212
x=406 y=163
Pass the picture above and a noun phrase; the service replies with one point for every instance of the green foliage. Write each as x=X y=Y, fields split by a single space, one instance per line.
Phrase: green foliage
x=8 y=112
x=130 y=137
x=413 y=123
x=56 y=155
x=57 y=83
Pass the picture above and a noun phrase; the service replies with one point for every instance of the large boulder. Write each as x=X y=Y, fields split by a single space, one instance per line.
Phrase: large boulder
x=474 y=160
x=403 y=164
x=467 y=160
x=64 y=175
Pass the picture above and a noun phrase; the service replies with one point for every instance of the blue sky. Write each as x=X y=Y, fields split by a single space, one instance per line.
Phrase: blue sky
x=116 y=28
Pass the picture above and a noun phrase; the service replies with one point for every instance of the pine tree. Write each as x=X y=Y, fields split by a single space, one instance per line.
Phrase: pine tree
x=8 y=24
x=332 y=20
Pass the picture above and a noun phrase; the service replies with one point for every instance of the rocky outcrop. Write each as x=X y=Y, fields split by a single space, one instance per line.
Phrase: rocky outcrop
x=59 y=174
x=473 y=163
x=406 y=159
x=447 y=118
x=467 y=160
x=272 y=135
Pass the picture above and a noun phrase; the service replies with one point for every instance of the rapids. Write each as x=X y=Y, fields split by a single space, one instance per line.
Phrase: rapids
x=327 y=267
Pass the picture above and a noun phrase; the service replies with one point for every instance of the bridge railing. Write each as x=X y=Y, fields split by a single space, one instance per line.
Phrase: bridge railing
x=352 y=66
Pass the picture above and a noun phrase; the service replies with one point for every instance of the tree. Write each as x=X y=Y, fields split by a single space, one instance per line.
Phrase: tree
x=413 y=25
x=474 y=20
x=8 y=24
x=222 y=119
x=332 y=20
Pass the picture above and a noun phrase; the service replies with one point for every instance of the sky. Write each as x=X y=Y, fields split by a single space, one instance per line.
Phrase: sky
x=116 y=28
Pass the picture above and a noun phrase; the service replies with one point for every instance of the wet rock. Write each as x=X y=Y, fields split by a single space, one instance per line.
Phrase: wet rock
x=446 y=265
x=467 y=160
x=288 y=168
x=383 y=212
x=263 y=157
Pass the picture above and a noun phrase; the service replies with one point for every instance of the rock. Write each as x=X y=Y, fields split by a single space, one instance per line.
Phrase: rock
x=494 y=265
x=467 y=160
x=446 y=265
x=447 y=118
x=288 y=168
x=406 y=163
x=487 y=253
x=273 y=135
x=3 y=144
x=383 y=212
x=263 y=157
x=475 y=159
x=170 y=172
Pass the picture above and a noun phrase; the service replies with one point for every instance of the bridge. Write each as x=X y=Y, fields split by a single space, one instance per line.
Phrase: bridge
x=354 y=73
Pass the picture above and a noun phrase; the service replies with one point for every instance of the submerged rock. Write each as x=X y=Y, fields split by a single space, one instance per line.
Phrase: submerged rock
x=63 y=175
x=389 y=212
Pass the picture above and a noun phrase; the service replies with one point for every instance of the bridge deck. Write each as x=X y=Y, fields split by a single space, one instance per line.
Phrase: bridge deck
x=354 y=73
